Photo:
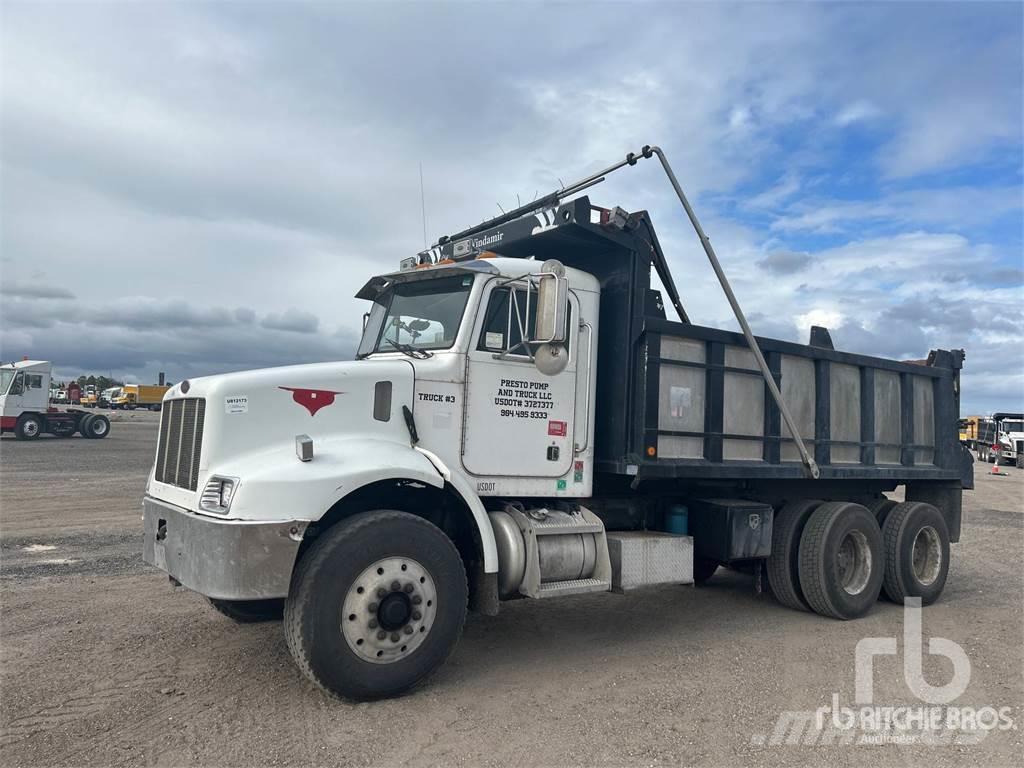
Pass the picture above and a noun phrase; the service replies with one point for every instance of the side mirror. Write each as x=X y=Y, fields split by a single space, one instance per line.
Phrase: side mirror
x=552 y=303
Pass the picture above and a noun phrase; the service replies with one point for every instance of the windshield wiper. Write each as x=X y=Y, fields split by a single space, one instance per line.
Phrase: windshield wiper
x=408 y=349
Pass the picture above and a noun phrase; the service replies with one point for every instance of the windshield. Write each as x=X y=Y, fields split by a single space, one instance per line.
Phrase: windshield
x=6 y=377
x=1013 y=426
x=423 y=314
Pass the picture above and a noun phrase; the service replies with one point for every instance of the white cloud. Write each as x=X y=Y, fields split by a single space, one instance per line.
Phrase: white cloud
x=827 y=318
x=856 y=112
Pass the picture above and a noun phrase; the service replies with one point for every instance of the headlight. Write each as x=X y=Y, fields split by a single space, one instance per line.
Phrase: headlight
x=217 y=494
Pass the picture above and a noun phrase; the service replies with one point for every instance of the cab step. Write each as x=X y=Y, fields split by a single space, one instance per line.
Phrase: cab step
x=574 y=587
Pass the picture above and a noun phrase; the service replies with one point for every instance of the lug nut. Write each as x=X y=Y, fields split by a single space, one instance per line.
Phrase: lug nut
x=381 y=635
x=407 y=630
x=372 y=607
x=416 y=599
x=373 y=624
x=408 y=588
x=395 y=586
x=395 y=637
x=416 y=615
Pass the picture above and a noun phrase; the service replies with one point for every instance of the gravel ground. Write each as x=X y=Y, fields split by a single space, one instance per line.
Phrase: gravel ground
x=103 y=663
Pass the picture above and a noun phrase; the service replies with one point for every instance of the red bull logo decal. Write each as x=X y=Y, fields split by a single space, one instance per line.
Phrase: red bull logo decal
x=312 y=399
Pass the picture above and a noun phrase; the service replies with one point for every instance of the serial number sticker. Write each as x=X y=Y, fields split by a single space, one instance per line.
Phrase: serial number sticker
x=236 y=404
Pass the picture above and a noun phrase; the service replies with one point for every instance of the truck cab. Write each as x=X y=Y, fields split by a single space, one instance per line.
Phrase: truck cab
x=24 y=388
x=107 y=397
x=25 y=409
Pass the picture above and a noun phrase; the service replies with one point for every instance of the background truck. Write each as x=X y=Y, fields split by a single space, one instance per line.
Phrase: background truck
x=969 y=431
x=132 y=396
x=1001 y=438
x=522 y=421
x=89 y=396
x=25 y=410
x=107 y=396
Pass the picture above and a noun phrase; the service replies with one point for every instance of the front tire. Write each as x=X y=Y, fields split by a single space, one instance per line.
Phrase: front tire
x=916 y=552
x=376 y=604
x=841 y=560
x=28 y=427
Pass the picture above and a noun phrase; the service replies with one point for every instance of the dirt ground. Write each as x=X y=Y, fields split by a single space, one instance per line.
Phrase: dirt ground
x=104 y=663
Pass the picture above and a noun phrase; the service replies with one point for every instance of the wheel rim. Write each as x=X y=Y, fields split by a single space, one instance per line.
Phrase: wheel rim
x=389 y=610
x=30 y=428
x=854 y=562
x=99 y=428
x=926 y=555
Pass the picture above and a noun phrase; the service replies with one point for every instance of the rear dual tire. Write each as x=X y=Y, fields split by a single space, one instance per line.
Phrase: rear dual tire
x=841 y=563
x=784 y=561
x=95 y=426
x=916 y=552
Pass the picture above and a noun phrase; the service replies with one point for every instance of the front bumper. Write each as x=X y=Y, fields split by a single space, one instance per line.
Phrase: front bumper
x=224 y=559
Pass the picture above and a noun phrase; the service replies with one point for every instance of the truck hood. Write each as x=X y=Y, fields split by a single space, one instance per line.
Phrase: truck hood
x=262 y=411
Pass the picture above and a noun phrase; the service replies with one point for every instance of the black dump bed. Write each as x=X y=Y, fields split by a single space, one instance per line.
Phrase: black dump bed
x=681 y=401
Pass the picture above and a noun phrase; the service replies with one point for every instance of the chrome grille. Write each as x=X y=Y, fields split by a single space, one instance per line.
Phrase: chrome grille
x=181 y=441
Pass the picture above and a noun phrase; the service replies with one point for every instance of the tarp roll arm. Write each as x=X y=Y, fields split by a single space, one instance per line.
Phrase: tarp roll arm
x=810 y=466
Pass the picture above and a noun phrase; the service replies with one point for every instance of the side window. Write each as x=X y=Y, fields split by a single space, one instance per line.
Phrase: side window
x=18 y=387
x=34 y=381
x=505 y=320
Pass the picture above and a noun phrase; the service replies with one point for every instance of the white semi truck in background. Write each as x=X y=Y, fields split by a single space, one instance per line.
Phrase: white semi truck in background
x=522 y=421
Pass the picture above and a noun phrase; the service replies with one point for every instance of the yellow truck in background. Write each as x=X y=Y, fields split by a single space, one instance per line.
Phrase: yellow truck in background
x=134 y=396
x=969 y=431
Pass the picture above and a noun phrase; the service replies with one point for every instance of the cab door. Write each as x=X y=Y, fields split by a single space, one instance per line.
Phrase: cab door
x=14 y=403
x=518 y=422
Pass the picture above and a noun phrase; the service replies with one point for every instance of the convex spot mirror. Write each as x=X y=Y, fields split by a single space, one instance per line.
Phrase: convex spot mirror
x=552 y=303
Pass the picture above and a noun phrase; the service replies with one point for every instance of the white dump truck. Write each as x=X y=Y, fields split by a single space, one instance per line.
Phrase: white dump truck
x=25 y=409
x=1001 y=438
x=522 y=421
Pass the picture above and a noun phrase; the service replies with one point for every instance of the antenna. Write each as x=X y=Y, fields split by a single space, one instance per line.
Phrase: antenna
x=423 y=207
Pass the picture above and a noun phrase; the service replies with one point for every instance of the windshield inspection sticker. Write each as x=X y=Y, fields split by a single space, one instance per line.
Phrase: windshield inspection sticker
x=236 y=404
x=494 y=340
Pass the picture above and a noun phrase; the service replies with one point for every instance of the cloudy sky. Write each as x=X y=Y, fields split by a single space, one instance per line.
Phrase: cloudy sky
x=197 y=188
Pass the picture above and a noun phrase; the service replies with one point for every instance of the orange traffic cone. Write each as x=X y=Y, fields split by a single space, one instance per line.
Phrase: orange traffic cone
x=995 y=468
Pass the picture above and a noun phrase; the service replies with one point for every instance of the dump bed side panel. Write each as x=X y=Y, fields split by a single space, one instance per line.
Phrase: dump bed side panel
x=708 y=412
